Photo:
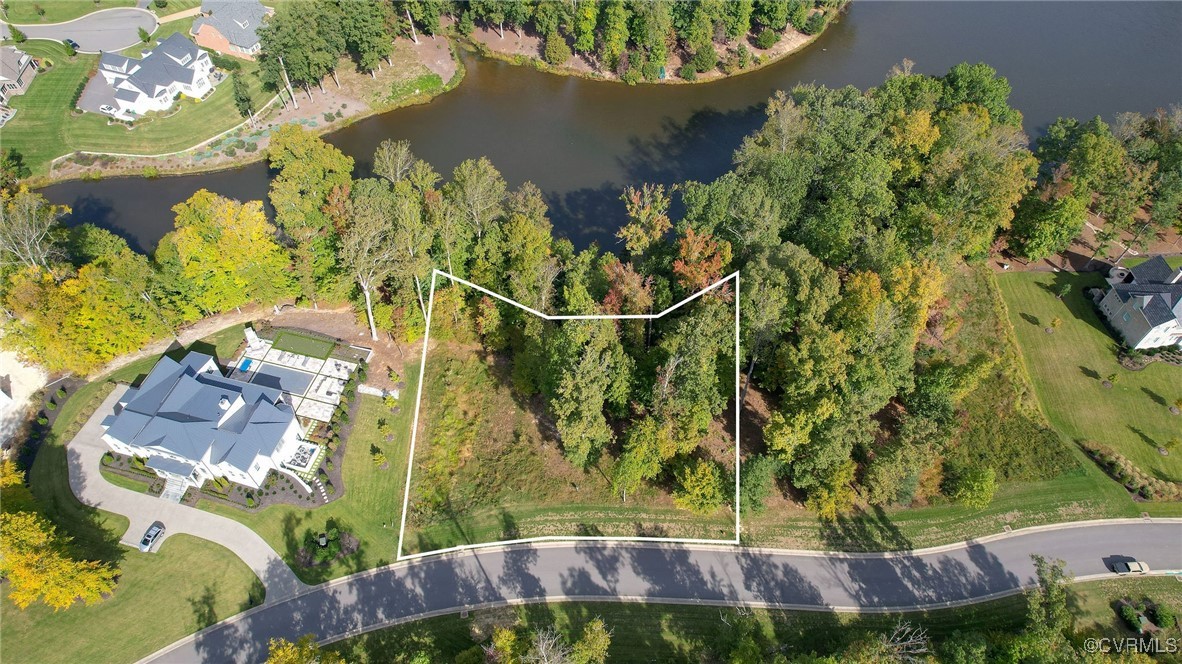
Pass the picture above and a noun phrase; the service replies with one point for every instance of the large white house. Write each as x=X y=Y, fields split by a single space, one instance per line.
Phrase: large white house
x=194 y=424
x=1145 y=304
x=176 y=66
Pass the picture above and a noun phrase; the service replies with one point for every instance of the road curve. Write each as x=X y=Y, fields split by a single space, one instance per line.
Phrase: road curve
x=471 y=579
x=103 y=30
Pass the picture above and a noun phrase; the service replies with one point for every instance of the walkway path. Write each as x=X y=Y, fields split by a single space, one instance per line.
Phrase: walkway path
x=104 y=30
x=176 y=16
x=84 y=454
x=697 y=575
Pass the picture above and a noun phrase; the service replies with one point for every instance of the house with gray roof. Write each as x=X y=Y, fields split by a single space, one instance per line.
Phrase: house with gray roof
x=138 y=86
x=230 y=26
x=1144 y=304
x=192 y=424
x=17 y=69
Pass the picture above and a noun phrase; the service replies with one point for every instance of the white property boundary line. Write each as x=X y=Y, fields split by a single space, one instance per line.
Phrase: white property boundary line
x=435 y=274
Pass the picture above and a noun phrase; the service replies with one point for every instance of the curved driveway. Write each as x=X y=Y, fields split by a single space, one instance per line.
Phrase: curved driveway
x=933 y=578
x=84 y=454
x=104 y=30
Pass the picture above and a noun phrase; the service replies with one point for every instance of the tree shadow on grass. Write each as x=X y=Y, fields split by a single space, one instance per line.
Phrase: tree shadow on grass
x=1090 y=373
x=202 y=605
x=864 y=531
x=1157 y=398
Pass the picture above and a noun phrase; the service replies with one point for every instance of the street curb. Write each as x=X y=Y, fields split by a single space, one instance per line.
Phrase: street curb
x=658 y=600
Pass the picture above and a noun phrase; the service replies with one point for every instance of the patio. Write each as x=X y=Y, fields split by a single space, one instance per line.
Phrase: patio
x=313 y=385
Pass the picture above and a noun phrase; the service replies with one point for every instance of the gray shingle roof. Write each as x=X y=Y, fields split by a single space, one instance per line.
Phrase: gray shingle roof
x=165 y=65
x=177 y=409
x=1154 y=270
x=1161 y=301
x=236 y=20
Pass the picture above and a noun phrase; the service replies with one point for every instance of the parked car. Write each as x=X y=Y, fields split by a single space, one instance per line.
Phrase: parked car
x=73 y=44
x=107 y=108
x=155 y=531
x=1131 y=567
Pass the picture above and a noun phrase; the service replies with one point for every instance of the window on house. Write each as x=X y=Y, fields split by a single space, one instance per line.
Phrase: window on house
x=1126 y=318
x=257 y=466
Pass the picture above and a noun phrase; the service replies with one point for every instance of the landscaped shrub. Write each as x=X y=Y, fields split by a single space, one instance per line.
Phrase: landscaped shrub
x=251 y=147
x=61 y=393
x=151 y=172
x=51 y=405
x=17 y=36
x=250 y=501
x=328 y=117
x=39 y=9
x=688 y=72
x=332 y=490
x=1164 y=616
x=1129 y=615
x=767 y=39
x=230 y=151
x=71 y=51
x=108 y=458
x=145 y=36
x=42 y=420
x=137 y=462
x=160 y=4
x=328 y=464
x=557 y=51
x=78 y=91
x=224 y=61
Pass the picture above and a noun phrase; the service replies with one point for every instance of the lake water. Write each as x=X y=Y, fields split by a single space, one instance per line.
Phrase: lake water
x=580 y=141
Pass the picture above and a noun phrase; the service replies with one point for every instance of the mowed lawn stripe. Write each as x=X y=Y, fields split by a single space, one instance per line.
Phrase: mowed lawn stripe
x=46 y=128
x=1068 y=366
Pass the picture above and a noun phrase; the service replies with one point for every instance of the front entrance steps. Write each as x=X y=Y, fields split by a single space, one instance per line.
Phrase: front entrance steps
x=174 y=490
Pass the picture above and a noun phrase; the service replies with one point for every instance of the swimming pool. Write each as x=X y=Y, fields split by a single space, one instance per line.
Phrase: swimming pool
x=244 y=365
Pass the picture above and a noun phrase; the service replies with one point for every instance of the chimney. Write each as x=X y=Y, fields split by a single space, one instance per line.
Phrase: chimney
x=224 y=403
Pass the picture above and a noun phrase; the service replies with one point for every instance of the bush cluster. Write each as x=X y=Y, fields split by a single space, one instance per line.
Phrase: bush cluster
x=1133 y=478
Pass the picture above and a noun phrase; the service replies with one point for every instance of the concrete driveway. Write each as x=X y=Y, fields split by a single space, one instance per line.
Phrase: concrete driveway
x=84 y=454
x=104 y=30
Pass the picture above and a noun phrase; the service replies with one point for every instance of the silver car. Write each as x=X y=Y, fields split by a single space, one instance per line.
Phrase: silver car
x=1131 y=567
x=151 y=537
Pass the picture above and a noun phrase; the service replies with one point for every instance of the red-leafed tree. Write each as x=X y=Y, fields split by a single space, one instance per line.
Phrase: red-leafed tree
x=700 y=260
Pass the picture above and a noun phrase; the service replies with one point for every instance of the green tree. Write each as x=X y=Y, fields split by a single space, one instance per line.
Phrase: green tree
x=242 y=100
x=27 y=222
x=648 y=215
x=757 y=482
x=367 y=246
x=592 y=646
x=12 y=168
x=974 y=487
x=700 y=487
x=303 y=651
x=589 y=370
x=308 y=171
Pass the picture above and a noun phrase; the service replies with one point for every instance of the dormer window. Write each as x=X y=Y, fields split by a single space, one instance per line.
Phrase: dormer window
x=185 y=60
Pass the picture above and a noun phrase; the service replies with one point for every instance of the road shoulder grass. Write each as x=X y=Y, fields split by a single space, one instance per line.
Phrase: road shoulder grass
x=675 y=633
x=56 y=11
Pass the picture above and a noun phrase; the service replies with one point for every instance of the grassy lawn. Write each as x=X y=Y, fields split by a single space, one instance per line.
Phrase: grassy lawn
x=1069 y=366
x=56 y=11
x=669 y=633
x=45 y=127
x=370 y=508
x=138 y=486
x=160 y=598
x=294 y=342
x=162 y=32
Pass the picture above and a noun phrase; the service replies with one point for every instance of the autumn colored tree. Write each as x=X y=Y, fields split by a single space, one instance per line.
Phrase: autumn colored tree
x=303 y=651
x=34 y=559
x=700 y=487
x=367 y=246
x=700 y=260
x=648 y=218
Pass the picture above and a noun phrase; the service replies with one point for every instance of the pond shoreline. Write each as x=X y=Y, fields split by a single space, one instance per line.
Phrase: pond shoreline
x=135 y=166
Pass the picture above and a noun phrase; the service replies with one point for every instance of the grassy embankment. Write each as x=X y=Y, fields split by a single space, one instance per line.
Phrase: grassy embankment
x=160 y=597
x=56 y=11
x=1069 y=366
x=667 y=633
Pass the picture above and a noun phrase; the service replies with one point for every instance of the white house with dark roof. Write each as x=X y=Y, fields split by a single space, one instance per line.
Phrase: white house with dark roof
x=17 y=70
x=1144 y=304
x=230 y=26
x=176 y=66
x=193 y=424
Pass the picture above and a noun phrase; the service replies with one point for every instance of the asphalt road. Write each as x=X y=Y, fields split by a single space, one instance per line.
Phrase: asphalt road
x=104 y=30
x=678 y=574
